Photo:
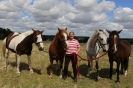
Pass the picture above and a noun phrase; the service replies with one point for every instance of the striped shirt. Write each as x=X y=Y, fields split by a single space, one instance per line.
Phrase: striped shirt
x=72 y=46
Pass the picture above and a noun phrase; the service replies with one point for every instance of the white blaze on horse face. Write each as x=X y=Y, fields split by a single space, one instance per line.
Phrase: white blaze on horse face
x=65 y=36
x=115 y=45
x=39 y=40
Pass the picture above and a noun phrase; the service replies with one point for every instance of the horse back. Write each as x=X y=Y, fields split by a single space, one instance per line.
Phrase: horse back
x=124 y=48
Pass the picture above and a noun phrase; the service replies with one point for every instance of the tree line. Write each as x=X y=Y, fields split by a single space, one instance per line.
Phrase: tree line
x=4 y=32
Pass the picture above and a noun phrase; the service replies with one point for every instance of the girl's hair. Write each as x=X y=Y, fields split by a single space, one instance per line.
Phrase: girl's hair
x=71 y=32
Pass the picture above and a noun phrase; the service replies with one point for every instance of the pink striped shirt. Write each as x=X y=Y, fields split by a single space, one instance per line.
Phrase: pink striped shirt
x=72 y=46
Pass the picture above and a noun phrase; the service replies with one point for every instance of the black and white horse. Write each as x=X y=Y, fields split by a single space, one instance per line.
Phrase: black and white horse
x=20 y=44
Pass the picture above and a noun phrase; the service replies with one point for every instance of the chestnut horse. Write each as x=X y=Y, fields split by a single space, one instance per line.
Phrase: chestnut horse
x=119 y=51
x=57 y=49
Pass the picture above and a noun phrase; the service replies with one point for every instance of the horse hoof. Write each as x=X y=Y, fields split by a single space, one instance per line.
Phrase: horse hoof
x=60 y=76
x=98 y=78
x=125 y=73
x=31 y=71
x=50 y=76
x=117 y=81
x=88 y=74
x=18 y=72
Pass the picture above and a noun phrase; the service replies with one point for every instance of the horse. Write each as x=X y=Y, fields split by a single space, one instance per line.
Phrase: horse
x=57 y=50
x=20 y=44
x=96 y=44
x=119 y=51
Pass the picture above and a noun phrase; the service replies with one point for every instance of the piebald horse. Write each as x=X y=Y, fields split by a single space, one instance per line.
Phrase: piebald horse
x=119 y=51
x=57 y=49
x=20 y=44
x=96 y=44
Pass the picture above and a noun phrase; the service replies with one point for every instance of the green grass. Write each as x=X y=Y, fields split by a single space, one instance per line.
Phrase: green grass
x=40 y=79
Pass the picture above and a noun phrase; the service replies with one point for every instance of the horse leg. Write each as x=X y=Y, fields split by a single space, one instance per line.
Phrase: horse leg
x=118 y=64
x=97 y=68
x=111 y=68
x=126 y=66
x=50 y=68
x=18 y=63
x=6 y=57
x=122 y=66
x=29 y=63
x=61 y=65
x=90 y=66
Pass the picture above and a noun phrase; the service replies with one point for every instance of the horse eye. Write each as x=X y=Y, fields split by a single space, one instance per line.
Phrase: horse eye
x=101 y=39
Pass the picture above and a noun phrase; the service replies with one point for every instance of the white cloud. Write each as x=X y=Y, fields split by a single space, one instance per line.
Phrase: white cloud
x=124 y=16
x=81 y=16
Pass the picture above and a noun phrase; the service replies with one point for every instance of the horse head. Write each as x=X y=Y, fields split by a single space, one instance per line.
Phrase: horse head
x=37 y=37
x=113 y=40
x=62 y=36
x=102 y=38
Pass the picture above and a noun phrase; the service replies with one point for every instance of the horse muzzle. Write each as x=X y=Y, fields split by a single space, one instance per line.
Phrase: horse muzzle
x=104 y=50
x=41 y=49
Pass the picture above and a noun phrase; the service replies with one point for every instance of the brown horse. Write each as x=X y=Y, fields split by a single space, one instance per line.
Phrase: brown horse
x=57 y=49
x=119 y=51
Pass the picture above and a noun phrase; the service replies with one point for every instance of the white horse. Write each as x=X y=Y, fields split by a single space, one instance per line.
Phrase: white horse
x=96 y=44
x=20 y=44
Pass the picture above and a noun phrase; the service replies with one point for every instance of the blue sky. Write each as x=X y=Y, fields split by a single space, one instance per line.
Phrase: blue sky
x=124 y=3
x=80 y=16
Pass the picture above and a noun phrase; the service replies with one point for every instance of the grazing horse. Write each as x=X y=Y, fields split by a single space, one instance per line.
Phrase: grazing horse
x=57 y=49
x=95 y=45
x=119 y=51
x=21 y=43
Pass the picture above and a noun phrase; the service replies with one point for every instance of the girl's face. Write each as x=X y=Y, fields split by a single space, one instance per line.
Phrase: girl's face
x=71 y=35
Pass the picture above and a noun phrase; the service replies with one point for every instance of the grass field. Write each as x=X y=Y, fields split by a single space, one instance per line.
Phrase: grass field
x=39 y=79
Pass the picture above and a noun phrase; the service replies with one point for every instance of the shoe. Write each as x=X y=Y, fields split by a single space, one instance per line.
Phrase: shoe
x=64 y=77
x=75 y=79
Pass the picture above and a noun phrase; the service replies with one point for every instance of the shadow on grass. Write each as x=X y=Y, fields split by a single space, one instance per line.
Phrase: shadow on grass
x=24 y=66
x=54 y=69
x=103 y=72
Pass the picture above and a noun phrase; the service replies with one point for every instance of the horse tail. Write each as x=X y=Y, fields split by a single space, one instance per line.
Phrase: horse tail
x=4 y=48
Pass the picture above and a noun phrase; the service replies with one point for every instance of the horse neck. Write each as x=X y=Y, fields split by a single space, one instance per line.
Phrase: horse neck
x=58 y=43
x=93 y=41
x=29 y=39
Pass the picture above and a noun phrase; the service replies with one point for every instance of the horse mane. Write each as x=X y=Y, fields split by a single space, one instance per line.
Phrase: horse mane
x=27 y=33
x=92 y=40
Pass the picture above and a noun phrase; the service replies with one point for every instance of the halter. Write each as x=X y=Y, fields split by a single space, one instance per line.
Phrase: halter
x=39 y=42
x=101 y=45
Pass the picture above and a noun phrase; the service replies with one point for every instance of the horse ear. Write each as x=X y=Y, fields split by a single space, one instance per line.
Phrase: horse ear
x=58 y=29
x=100 y=30
x=66 y=28
x=108 y=31
x=119 y=31
x=33 y=29
x=41 y=31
